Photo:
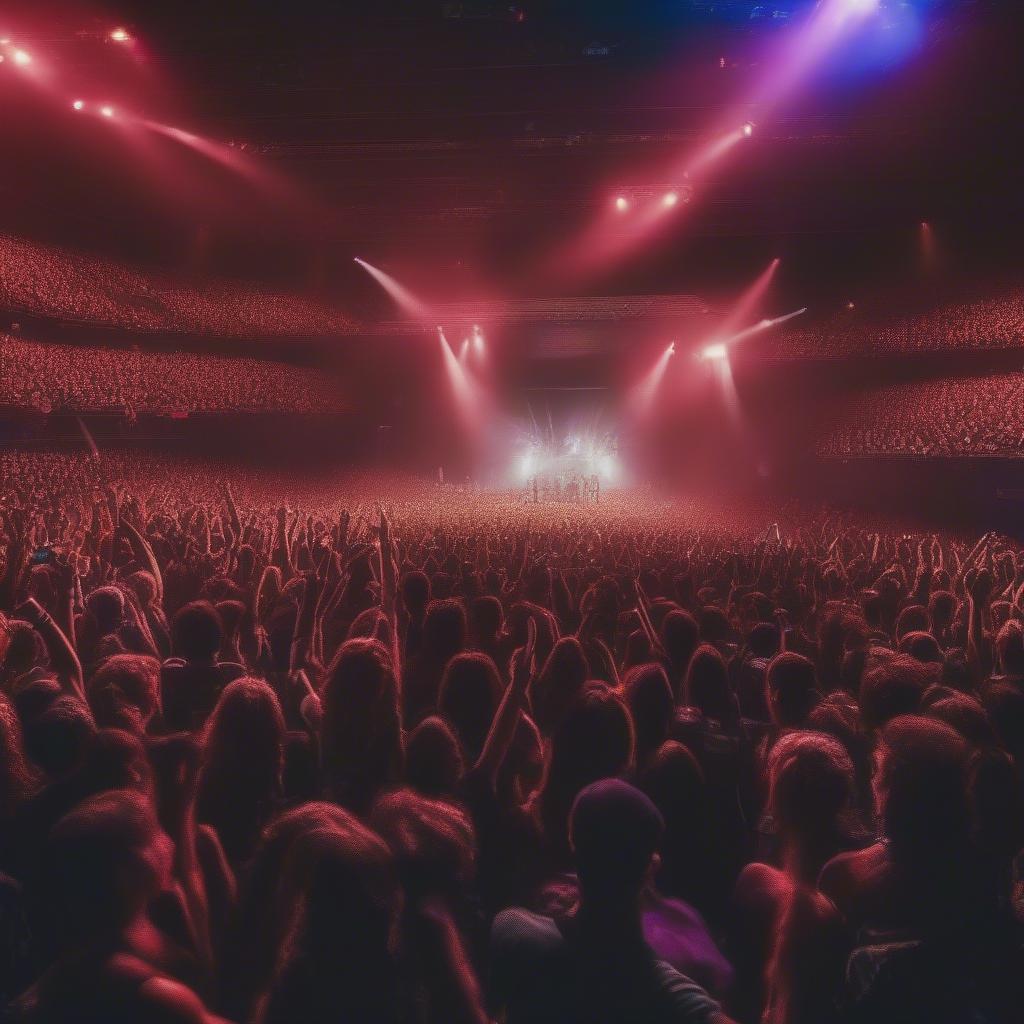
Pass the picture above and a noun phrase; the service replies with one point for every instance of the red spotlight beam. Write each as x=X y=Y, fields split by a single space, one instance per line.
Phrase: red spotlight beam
x=408 y=303
x=747 y=302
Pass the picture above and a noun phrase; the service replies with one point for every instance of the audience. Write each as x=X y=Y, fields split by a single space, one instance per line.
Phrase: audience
x=950 y=416
x=371 y=749
x=72 y=286
x=81 y=378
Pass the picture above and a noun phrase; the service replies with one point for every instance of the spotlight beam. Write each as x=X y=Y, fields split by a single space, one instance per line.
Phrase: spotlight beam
x=413 y=307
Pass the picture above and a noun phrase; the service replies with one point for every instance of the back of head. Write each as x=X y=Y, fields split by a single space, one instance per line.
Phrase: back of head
x=105 y=860
x=106 y=607
x=792 y=685
x=614 y=830
x=649 y=698
x=232 y=614
x=415 y=587
x=680 y=635
x=921 y=788
x=707 y=684
x=432 y=841
x=1010 y=648
x=595 y=740
x=433 y=758
x=892 y=686
x=244 y=735
x=124 y=691
x=966 y=715
x=57 y=739
x=360 y=734
x=674 y=781
x=487 y=616
x=714 y=625
x=922 y=646
x=912 y=619
x=444 y=629
x=197 y=632
x=348 y=898
x=25 y=648
x=811 y=781
x=470 y=692
x=559 y=682
x=764 y=640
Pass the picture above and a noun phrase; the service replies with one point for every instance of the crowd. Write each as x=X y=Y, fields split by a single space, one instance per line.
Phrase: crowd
x=66 y=285
x=984 y=323
x=388 y=752
x=44 y=377
x=950 y=417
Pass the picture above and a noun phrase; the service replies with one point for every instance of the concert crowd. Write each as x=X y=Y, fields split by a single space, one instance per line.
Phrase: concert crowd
x=65 y=285
x=44 y=377
x=990 y=322
x=372 y=750
x=966 y=416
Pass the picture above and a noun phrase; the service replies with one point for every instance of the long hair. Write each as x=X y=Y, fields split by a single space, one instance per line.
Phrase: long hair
x=361 y=747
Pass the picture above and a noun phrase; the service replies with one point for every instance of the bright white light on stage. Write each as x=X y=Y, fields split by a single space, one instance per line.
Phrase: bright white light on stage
x=748 y=129
x=120 y=35
x=672 y=349
x=715 y=352
x=670 y=198
x=851 y=305
x=107 y=111
x=78 y=105
x=621 y=204
x=22 y=58
x=608 y=469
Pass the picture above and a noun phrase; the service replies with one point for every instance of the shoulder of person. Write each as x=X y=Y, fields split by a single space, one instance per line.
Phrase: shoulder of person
x=688 y=1001
x=517 y=928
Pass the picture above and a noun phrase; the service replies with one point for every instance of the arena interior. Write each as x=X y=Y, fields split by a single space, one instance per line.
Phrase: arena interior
x=511 y=512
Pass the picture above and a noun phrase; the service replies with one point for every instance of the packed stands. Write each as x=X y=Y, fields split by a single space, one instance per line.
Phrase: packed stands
x=69 y=286
x=950 y=417
x=45 y=377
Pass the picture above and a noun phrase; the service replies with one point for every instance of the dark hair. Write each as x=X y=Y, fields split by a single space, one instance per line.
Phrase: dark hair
x=792 y=687
x=922 y=780
x=361 y=732
x=469 y=696
x=707 y=684
x=649 y=699
x=433 y=758
x=615 y=830
x=1010 y=647
x=125 y=691
x=594 y=741
x=444 y=629
x=812 y=783
x=197 y=631
x=893 y=686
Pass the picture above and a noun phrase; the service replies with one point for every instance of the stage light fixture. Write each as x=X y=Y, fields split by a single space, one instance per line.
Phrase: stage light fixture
x=120 y=35
x=670 y=198
x=78 y=105
x=715 y=352
x=107 y=111
x=621 y=204
x=851 y=305
x=748 y=129
x=22 y=58
x=672 y=349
